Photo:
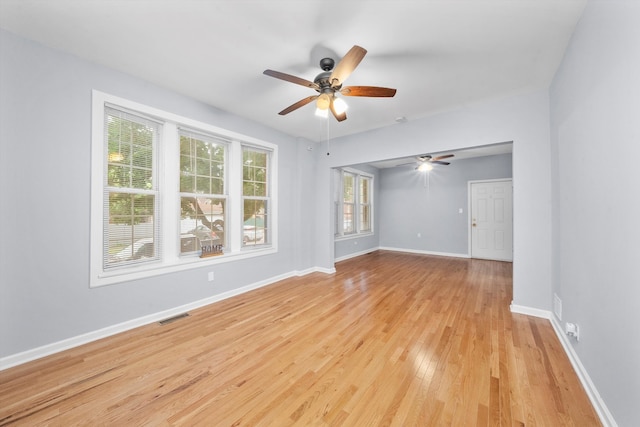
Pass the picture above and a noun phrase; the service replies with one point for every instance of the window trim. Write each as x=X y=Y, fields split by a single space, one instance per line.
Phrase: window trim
x=168 y=173
x=341 y=235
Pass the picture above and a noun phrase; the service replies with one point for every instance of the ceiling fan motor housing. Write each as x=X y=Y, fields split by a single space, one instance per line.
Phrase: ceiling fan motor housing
x=322 y=80
x=327 y=64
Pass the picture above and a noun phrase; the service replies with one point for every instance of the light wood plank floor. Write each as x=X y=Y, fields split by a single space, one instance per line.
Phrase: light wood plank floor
x=390 y=339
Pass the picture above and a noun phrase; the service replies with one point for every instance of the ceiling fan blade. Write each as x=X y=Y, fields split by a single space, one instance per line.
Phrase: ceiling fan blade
x=346 y=65
x=437 y=162
x=373 y=91
x=339 y=117
x=298 y=104
x=443 y=157
x=291 y=79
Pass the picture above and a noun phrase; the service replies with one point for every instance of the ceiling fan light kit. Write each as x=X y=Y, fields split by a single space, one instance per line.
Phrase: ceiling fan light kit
x=323 y=102
x=330 y=82
x=425 y=167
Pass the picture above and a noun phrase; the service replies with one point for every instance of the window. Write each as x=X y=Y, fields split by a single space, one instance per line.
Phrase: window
x=255 y=196
x=130 y=191
x=202 y=191
x=348 y=202
x=165 y=186
x=354 y=210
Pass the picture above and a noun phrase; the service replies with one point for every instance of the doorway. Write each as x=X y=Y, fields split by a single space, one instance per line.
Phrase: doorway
x=491 y=219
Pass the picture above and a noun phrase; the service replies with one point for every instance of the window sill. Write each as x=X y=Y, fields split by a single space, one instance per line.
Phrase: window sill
x=353 y=236
x=180 y=264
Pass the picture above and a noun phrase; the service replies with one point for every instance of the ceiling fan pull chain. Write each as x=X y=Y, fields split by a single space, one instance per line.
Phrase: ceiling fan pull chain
x=327 y=121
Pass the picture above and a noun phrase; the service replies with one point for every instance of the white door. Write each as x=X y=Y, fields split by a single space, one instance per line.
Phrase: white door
x=492 y=220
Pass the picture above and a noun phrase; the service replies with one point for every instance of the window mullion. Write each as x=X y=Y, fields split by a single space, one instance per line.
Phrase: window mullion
x=356 y=204
x=235 y=203
x=169 y=173
x=131 y=191
x=340 y=205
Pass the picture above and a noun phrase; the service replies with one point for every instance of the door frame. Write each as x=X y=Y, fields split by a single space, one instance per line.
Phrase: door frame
x=480 y=181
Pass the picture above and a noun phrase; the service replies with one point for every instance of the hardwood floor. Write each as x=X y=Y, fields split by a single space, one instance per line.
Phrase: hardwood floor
x=390 y=339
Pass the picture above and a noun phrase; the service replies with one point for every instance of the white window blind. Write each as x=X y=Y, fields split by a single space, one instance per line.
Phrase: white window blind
x=130 y=190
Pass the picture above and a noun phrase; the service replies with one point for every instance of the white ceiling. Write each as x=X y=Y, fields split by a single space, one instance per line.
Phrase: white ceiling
x=437 y=54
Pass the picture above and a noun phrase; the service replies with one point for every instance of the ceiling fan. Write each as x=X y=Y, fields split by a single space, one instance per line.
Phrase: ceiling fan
x=426 y=161
x=330 y=81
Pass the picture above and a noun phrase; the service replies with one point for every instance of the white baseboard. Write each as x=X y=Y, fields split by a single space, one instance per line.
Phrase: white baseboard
x=355 y=254
x=606 y=418
x=416 y=251
x=300 y=273
x=410 y=251
x=535 y=312
x=598 y=404
x=56 y=347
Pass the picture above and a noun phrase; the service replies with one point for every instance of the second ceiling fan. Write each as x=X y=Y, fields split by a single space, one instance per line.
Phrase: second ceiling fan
x=425 y=161
x=330 y=81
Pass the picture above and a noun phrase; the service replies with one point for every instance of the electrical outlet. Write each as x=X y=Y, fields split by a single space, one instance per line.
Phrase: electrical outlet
x=211 y=276
x=573 y=330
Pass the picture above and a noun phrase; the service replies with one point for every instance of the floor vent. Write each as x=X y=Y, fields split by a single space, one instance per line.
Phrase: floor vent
x=557 y=306
x=173 y=319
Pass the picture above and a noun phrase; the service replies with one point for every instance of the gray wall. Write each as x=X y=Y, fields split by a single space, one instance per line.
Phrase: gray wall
x=45 y=135
x=595 y=135
x=412 y=202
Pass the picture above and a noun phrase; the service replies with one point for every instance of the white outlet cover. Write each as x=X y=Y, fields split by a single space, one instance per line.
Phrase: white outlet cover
x=573 y=330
